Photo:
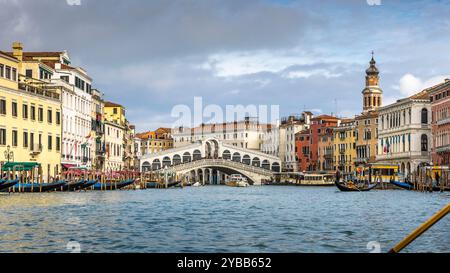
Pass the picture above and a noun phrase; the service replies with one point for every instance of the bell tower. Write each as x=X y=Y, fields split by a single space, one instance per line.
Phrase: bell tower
x=372 y=93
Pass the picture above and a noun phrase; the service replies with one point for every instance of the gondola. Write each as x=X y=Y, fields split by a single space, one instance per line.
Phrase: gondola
x=5 y=184
x=87 y=184
x=112 y=185
x=36 y=187
x=151 y=185
x=402 y=185
x=71 y=186
x=344 y=188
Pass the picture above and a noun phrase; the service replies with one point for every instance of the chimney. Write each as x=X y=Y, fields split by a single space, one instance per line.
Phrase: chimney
x=18 y=50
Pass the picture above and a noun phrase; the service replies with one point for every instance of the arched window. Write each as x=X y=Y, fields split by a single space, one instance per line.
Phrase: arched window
x=276 y=167
x=197 y=155
x=176 y=160
x=156 y=165
x=166 y=161
x=187 y=157
x=256 y=162
x=424 y=116
x=236 y=157
x=146 y=166
x=424 y=143
x=266 y=164
x=246 y=160
x=226 y=155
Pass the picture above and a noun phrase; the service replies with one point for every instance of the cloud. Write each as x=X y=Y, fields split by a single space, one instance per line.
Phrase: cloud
x=152 y=55
x=410 y=84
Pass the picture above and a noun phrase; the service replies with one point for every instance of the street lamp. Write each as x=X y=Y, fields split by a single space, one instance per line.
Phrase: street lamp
x=9 y=155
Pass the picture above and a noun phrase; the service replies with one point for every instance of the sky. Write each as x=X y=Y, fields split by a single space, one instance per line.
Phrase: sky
x=151 y=56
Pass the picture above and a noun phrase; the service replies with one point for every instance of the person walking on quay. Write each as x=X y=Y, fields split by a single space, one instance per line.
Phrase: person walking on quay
x=437 y=177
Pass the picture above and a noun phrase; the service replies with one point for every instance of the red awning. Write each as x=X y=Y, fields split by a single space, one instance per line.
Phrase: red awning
x=68 y=166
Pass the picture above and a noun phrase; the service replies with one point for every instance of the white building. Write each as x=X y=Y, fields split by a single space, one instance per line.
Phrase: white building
x=404 y=132
x=270 y=141
x=76 y=96
x=114 y=141
x=245 y=134
x=288 y=128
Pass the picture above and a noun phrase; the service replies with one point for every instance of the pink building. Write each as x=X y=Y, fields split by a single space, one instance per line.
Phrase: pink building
x=440 y=109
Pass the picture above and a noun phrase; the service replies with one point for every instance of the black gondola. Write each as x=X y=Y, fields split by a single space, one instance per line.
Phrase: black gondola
x=71 y=186
x=344 y=188
x=7 y=184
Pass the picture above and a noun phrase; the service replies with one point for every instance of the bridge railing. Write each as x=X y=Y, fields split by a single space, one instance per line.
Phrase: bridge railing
x=252 y=152
x=173 y=150
x=220 y=162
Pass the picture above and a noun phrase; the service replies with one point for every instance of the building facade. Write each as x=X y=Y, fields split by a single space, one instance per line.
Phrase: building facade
x=290 y=126
x=97 y=130
x=440 y=112
x=244 y=134
x=404 y=131
x=114 y=137
x=30 y=117
x=344 y=146
x=153 y=142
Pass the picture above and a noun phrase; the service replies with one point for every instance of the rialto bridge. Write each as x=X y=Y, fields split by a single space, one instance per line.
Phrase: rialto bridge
x=211 y=162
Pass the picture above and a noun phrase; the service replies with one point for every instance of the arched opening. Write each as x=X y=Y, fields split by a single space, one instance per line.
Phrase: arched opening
x=424 y=116
x=256 y=162
x=226 y=155
x=176 y=160
x=156 y=164
x=424 y=143
x=236 y=157
x=197 y=155
x=276 y=167
x=403 y=169
x=166 y=162
x=187 y=157
x=246 y=160
x=146 y=166
x=266 y=165
x=408 y=168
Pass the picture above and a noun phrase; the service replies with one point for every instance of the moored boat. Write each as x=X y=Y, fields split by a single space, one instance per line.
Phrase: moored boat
x=352 y=187
x=112 y=185
x=5 y=184
x=237 y=180
x=36 y=187
x=403 y=185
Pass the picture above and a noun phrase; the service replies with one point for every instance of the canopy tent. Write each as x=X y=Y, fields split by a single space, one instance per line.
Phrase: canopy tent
x=20 y=166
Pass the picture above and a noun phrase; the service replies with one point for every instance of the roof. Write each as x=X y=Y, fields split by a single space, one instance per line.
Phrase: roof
x=423 y=95
x=112 y=104
x=325 y=117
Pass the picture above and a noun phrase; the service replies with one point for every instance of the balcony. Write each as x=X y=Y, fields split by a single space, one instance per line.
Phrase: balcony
x=36 y=149
x=39 y=91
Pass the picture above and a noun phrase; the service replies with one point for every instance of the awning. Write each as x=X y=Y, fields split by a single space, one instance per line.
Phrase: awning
x=68 y=166
x=22 y=166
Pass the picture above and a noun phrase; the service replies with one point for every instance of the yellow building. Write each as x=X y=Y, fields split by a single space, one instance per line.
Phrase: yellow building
x=344 y=146
x=30 y=117
x=115 y=129
x=155 y=141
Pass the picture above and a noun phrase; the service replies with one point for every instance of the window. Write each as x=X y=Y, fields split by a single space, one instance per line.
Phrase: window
x=424 y=142
x=40 y=114
x=2 y=136
x=424 y=115
x=2 y=107
x=2 y=71
x=25 y=139
x=14 y=109
x=49 y=116
x=29 y=73
x=8 y=73
x=58 y=143
x=14 y=138
x=31 y=140
x=14 y=74
x=65 y=78
x=58 y=118
x=25 y=111
x=33 y=112
x=115 y=111
x=49 y=142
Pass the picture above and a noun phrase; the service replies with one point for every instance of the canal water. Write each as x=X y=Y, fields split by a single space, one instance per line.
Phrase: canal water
x=221 y=219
